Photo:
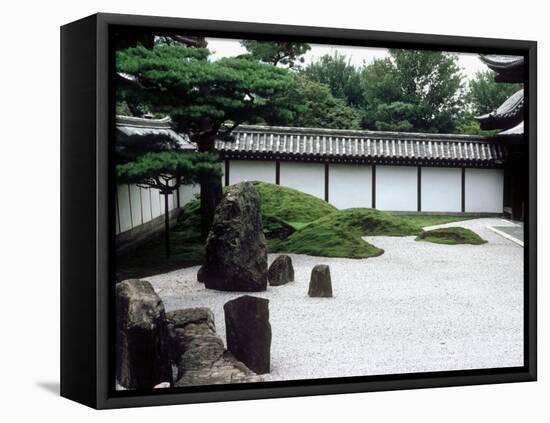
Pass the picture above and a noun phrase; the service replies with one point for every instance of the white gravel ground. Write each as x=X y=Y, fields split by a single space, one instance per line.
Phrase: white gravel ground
x=418 y=307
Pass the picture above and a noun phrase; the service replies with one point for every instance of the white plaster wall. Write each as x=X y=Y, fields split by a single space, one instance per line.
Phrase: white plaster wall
x=350 y=185
x=305 y=177
x=396 y=188
x=251 y=170
x=135 y=205
x=146 y=204
x=187 y=193
x=124 y=208
x=484 y=190
x=441 y=189
x=155 y=202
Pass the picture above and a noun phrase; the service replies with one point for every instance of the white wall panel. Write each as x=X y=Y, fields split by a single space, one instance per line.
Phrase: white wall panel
x=305 y=177
x=188 y=192
x=145 y=205
x=484 y=190
x=135 y=205
x=441 y=189
x=350 y=185
x=124 y=208
x=251 y=170
x=396 y=188
x=155 y=202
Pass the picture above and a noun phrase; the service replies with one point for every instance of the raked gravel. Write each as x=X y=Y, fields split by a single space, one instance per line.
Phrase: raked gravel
x=418 y=307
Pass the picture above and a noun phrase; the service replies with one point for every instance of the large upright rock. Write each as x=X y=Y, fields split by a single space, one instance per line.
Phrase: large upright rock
x=142 y=350
x=248 y=331
x=320 y=284
x=236 y=252
x=281 y=271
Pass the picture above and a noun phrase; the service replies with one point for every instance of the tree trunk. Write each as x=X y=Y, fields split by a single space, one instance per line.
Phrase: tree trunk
x=166 y=227
x=211 y=192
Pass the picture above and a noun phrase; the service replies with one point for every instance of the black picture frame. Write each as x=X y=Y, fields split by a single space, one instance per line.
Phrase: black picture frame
x=87 y=113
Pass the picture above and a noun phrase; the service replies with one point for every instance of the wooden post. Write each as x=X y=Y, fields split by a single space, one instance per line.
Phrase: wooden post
x=166 y=226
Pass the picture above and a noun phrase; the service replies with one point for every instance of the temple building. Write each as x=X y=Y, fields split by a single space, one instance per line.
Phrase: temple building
x=508 y=120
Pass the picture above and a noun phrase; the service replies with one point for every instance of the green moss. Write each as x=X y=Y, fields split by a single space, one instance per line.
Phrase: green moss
x=292 y=206
x=295 y=222
x=340 y=234
x=427 y=219
x=451 y=236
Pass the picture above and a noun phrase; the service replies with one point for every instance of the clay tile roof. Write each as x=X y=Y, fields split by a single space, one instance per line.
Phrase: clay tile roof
x=253 y=141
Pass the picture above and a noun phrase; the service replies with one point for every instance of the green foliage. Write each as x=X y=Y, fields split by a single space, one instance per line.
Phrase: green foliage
x=485 y=95
x=276 y=52
x=202 y=96
x=320 y=109
x=451 y=236
x=412 y=90
x=466 y=123
x=155 y=169
x=339 y=75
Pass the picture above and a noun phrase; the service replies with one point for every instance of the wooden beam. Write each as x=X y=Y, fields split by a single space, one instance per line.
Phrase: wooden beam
x=419 y=189
x=373 y=186
x=326 y=181
x=463 y=190
x=226 y=172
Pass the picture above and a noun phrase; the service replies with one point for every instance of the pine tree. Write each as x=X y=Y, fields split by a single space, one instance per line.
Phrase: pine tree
x=206 y=99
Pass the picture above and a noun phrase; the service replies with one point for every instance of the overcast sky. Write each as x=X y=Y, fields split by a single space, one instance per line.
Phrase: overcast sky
x=469 y=62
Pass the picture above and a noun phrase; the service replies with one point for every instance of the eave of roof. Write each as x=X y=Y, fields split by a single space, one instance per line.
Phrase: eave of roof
x=315 y=144
x=508 y=68
x=515 y=131
x=507 y=115
x=130 y=126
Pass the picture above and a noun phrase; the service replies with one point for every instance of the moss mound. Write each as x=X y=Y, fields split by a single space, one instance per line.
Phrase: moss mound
x=294 y=222
x=294 y=207
x=451 y=236
x=340 y=234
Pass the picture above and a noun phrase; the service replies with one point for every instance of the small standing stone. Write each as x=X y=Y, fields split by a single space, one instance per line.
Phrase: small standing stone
x=320 y=284
x=142 y=342
x=248 y=331
x=281 y=271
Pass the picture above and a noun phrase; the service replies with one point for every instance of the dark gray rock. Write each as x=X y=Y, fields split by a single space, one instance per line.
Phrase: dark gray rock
x=281 y=271
x=202 y=359
x=200 y=275
x=320 y=284
x=142 y=339
x=236 y=252
x=248 y=331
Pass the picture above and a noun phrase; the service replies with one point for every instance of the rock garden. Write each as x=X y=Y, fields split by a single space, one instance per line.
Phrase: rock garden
x=287 y=287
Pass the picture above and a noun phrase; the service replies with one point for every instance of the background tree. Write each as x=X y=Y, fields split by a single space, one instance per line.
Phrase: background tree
x=166 y=171
x=419 y=90
x=206 y=100
x=276 y=52
x=339 y=75
x=319 y=108
x=485 y=95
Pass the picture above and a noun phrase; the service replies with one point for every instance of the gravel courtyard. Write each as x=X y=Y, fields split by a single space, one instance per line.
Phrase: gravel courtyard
x=418 y=307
